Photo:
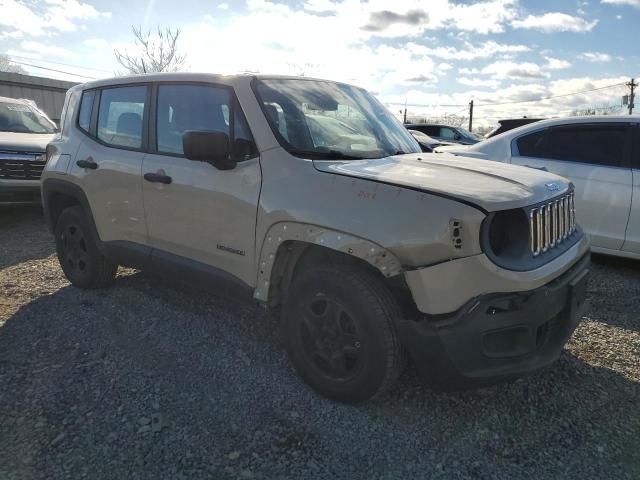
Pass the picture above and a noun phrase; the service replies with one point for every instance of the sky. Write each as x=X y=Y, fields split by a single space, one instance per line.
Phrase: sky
x=435 y=55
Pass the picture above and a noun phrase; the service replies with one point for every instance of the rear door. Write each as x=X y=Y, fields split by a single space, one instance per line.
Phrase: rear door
x=595 y=158
x=109 y=160
x=632 y=241
x=204 y=214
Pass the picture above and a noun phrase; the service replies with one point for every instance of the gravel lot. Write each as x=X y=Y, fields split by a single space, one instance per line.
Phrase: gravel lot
x=150 y=380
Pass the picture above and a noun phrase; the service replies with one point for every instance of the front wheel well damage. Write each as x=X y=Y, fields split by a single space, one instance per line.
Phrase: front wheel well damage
x=294 y=257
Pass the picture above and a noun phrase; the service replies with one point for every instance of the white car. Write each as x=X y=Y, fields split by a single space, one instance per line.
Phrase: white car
x=599 y=154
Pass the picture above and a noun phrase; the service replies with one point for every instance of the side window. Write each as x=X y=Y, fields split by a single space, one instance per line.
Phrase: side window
x=531 y=145
x=448 y=133
x=120 y=116
x=596 y=144
x=636 y=151
x=431 y=131
x=86 y=105
x=189 y=107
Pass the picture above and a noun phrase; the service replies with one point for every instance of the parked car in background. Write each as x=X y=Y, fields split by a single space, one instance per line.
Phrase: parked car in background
x=25 y=132
x=599 y=154
x=310 y=196
x=427 y=143
x=446 y=133
x=509 y=124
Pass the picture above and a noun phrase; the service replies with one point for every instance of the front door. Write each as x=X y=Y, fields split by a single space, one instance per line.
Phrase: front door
x=204 y=214
x=593 y=157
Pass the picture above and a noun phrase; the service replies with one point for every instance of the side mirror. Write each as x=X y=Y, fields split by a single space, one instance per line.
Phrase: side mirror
x=208 y=146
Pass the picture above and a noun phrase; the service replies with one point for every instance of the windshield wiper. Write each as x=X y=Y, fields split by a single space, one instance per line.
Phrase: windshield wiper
x=325 y=154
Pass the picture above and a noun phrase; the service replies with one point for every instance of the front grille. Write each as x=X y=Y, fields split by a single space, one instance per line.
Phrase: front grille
x=552 y=223
x=21 y=166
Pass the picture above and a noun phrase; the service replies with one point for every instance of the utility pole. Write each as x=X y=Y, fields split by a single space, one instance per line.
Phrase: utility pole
x=404 y=121
x=471 y=115
x=632 y=85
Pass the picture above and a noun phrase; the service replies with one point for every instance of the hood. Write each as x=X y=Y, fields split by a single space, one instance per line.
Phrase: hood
x=25 y=142
x=488 y=185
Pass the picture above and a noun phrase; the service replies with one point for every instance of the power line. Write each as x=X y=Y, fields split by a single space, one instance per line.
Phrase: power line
x=58 y=63
x=464 y=106
x=53 y=70
x=422 y=105
x=550 y=97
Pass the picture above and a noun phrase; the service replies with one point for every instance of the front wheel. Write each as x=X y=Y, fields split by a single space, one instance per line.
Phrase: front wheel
x=340 y=332
x=81 y=261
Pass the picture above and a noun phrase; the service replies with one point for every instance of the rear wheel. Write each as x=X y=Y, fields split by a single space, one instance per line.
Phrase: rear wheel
x=81 y=261
x=340 y=332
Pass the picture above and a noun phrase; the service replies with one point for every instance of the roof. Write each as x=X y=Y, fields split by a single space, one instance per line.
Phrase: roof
x=188 y=77
x=552 y=122
x=12 y=100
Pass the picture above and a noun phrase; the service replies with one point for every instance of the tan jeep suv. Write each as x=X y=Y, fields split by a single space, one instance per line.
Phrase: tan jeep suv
x=311 y=196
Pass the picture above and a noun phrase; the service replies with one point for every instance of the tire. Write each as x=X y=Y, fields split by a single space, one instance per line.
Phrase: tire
x=81 y=261
x=340 y=332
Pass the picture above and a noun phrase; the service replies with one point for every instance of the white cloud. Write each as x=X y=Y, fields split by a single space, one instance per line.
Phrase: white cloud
x=470 y=52
x=557 y=64
x=45 y=49
x=507 y=69
x=596 y=57
x=479 y=82
x=223 y=6
x=555 y=22
x=48 y=17
x=97 y=43
x=444 y=66
x=631 y=3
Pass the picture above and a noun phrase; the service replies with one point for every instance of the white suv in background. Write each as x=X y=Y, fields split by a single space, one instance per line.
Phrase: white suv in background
x=599 y=154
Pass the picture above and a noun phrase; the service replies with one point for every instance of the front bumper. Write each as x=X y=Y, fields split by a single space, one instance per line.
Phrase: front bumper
x=497 y=337
x=26 y=193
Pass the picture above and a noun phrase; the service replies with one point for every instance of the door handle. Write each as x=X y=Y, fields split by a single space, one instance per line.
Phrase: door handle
x=157 y=178
x=87 y=163
x=544 y=169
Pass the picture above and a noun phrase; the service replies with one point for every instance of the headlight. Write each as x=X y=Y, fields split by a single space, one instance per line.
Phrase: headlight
x=527 y=238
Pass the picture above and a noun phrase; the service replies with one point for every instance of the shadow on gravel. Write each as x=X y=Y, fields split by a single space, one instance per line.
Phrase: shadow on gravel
x=23 y=235
x=614 y=292
x=145 y=381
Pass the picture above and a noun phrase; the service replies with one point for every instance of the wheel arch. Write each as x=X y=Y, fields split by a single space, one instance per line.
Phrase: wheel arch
x=58 y=195
x=288 y=245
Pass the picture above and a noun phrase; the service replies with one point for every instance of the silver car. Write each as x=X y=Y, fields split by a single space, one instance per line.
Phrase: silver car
x=312 y=198
x=25 y=132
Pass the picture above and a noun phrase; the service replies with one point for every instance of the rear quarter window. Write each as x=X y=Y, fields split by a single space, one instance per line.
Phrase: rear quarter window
x=531 y=145
x=86 y=107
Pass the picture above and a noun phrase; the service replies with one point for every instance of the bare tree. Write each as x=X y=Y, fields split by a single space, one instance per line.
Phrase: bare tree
x=6 y=65
x=156 y=52
x=603 y=109
x=444 y=119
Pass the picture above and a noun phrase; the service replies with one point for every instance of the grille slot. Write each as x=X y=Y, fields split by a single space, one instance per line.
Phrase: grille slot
x=551 y=224
x=21 y=166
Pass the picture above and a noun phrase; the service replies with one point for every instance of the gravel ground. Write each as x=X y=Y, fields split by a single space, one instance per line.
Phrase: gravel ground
x=150 y=380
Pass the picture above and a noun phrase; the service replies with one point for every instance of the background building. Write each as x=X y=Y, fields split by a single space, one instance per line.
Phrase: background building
x=46 y=92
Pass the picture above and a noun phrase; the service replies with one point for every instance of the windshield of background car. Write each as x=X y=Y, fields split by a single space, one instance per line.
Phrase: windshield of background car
x=322 y=119
x=471 y=135
x=21 y=118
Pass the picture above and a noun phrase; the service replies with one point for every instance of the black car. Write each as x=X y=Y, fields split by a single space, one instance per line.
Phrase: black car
x=427 y=143
x=446 y=133
x=511 y=123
